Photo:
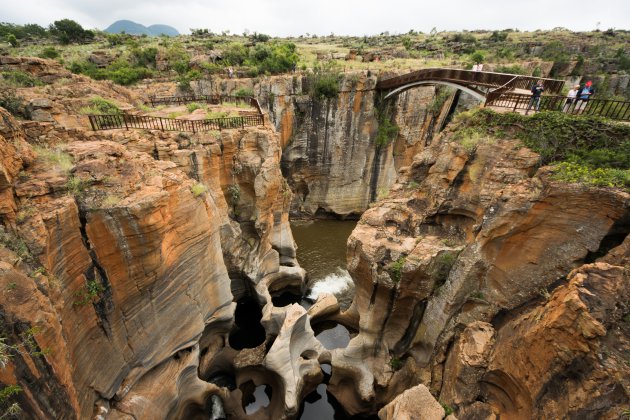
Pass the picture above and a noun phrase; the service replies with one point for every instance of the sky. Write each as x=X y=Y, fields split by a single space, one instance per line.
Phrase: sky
x=323 y=17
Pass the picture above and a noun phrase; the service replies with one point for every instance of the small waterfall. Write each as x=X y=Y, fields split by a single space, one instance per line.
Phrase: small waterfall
x=338 y=283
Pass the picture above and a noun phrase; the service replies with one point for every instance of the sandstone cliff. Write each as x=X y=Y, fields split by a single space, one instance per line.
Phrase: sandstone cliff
x=122 y=253
x=331 y=158
x=468 y=238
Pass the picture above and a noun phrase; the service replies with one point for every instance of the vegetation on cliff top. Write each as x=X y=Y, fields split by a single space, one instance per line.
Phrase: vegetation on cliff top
x=558 y=52
x=585 y=149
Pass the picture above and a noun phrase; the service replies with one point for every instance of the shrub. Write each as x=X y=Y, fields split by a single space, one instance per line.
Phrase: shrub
x=76 y=186
x=326 y=86
x=244 y=92
x=448 y=410
x=395 y=363
x=101 y=106
x=588 y=175
x=11 y=39
x=235 y=54
x=15 y=104
x=87 y=294
x=193 y=106
x=20 y=79
x=514 y=69
x=144 y=57
x=234 y=192
x=395 y=269
x=198 y=189
x=49 y=52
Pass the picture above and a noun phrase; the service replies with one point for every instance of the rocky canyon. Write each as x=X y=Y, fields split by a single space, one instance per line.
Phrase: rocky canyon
x=140 y=270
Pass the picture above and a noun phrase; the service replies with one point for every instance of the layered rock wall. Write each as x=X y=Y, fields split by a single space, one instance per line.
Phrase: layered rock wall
x=468 y=237
x=331 y=159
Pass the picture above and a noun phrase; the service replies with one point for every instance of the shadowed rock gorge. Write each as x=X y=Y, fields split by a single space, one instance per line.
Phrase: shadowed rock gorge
x=150 y=275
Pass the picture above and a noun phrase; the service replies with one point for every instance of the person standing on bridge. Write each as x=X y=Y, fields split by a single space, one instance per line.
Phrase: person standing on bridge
x=537 y=90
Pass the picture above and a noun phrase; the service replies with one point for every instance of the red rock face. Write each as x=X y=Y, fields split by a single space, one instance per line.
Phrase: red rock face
x=465 y=239
x=128 y=261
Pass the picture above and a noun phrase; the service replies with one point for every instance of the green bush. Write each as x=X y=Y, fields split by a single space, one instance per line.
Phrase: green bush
x=103 y=106
x=244 y=93
x=395 y=363
x=395 y=269
x=585 y=149
x=198 y=189
x=15 y=104
x=513 y=69
x=144 y=56
x=588 y=175
x=235 y=54
x=11 y=39
x=49 y=52
x=19 y=79
x=324 y=84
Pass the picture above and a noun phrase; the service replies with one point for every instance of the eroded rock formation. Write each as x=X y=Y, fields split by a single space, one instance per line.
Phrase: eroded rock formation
x=466 y=239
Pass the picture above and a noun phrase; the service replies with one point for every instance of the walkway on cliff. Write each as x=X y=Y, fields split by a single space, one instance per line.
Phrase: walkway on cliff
x=503 y=90
x=130 y=121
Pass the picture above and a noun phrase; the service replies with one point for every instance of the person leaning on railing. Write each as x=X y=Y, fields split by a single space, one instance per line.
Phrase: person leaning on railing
x=583 y=96
x=571 y=95
x=537 y=90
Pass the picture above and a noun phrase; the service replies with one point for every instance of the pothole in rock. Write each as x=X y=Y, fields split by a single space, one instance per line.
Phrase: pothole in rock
x=255 y=397
x=285 y=299
x=332 y=335
x=247 y=333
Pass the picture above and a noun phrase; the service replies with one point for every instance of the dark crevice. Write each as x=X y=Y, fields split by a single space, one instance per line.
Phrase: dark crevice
x=96 y=280
x=614 y=237
x=416 y=317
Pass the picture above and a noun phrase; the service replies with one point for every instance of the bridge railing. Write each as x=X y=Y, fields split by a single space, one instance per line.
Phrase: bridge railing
x=617 y=110
x=125 y=121
x=469 y=77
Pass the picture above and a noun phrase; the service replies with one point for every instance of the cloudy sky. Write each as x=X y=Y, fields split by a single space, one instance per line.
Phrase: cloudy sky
x=322 y=17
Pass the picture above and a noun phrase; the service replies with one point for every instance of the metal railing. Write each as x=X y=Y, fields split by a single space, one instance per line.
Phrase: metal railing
x=471 y=78
x=616 y=110
x=208 y=99
x=124 y=121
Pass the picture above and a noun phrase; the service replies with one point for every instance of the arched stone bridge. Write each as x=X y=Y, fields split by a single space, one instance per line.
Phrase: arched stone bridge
x=483 y=85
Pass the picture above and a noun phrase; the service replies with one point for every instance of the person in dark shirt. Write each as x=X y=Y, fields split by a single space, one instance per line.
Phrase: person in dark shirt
x=583 y=95
x=537 y=90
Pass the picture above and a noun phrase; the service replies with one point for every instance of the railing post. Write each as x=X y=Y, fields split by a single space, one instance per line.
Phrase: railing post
x=125 y=121
x=90 y=117
x=161 y=124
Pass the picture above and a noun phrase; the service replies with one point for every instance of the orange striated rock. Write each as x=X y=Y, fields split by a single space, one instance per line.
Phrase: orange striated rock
x=567 y=357
x=134 y=264
x=462 y=238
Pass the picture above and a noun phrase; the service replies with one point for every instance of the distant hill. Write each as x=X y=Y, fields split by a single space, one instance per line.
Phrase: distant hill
x=134 y=28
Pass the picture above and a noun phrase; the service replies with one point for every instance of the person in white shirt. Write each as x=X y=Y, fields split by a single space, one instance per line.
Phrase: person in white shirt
x=570 y=98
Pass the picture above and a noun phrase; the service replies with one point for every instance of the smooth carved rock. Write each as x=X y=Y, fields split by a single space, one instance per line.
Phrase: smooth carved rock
x=416 y=403
x=325 y=306
x=294 y=358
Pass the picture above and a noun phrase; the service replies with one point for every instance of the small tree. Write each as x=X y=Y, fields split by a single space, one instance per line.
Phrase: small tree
x=11 y=39
x=67 y=31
